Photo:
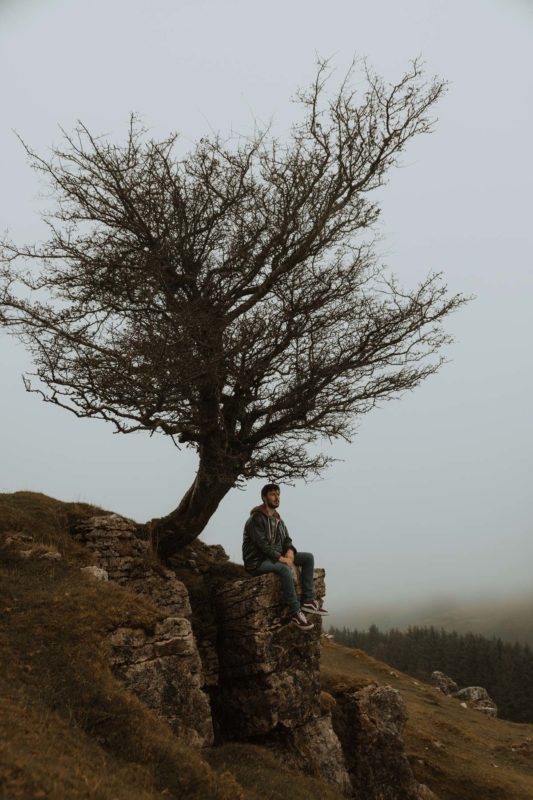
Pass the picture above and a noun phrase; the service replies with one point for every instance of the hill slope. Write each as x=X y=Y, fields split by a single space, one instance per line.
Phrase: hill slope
x=69 y=729
x=459 y=753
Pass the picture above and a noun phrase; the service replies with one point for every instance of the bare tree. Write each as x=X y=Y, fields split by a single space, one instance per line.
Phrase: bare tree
x=231 y=299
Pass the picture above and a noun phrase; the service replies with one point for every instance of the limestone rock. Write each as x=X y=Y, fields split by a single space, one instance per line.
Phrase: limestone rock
x=17 y=538
x=269 y=678
x=199 y=556
x=163 y=669
x=318 y=746
x=269 y=669
x=97 y=573
x=215 y=552
x=423 y=792
x=444 y=683
x=128 y=560
x=265 y=679
x=209 y=565
x=475 y=697
x=161 y=666
x=369 y=723
x=35 y=550
x=473 y=694
x=479 y=699
x=51 y=555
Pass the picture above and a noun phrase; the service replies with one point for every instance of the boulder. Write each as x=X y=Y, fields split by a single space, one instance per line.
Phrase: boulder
x=161 y=666
x=444 y=683
x=263 y=672
x=95 y=573
x=369 y=723
x=478 y=698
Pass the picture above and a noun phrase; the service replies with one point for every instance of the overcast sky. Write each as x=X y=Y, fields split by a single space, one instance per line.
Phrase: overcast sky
x=433 y=497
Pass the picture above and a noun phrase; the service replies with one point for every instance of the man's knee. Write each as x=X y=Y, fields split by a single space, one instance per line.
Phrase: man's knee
x=284 y=570
x=305 y=559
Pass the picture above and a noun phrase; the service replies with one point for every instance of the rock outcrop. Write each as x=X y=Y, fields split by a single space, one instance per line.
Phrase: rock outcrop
x=478 y=698
x=475 y=697
x=269 y=679
x=161 y=666
x=444 y=683
x=128 y=560
x=261 y=672
x=369 y=723
x=317 y=745
x=269 y=670
x=204 y=566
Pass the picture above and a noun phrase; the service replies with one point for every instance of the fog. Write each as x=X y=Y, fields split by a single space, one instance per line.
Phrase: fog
x=432 y=498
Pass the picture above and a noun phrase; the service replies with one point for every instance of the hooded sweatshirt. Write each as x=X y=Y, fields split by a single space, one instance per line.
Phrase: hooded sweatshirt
x=265 y=538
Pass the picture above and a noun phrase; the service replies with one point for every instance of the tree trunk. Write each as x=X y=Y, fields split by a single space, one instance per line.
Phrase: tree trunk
x=183 y=525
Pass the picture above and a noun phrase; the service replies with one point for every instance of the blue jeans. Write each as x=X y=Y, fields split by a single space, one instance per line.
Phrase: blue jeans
x=303 y=560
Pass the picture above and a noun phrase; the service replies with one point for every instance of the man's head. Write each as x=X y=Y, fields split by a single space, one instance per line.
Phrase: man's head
x=270 y=495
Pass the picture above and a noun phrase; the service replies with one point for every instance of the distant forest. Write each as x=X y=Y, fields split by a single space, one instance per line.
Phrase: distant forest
x=505 y=670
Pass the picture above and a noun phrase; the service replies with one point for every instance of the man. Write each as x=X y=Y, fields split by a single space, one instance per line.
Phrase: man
x=267 y=547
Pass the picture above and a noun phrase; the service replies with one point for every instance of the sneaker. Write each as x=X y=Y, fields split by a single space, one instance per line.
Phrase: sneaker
x=300 y=620
x=314 y=607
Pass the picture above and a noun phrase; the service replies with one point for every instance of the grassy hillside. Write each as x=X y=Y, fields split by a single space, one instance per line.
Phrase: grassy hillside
x=69 y=730
x=459 y=753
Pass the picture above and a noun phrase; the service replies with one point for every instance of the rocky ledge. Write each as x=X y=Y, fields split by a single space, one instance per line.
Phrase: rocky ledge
x=269 y=669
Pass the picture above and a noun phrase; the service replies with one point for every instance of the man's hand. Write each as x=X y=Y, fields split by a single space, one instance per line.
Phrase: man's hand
x=288 y=558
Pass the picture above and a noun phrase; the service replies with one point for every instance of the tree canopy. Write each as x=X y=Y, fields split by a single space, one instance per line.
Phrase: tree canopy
x=230 y=298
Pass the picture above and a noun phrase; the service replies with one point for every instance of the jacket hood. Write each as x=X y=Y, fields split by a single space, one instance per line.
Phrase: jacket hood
x=262 y=510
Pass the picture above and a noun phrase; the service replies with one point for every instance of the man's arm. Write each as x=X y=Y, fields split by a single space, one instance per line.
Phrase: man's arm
x=288 y=548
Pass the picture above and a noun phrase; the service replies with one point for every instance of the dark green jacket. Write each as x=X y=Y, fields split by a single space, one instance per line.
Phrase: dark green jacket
x=264 y=538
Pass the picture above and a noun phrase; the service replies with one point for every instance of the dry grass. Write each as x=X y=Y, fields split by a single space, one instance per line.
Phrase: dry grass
x=259 y=772
x=459 y=753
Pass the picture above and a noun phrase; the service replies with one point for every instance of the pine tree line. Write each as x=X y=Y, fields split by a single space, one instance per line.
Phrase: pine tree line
x=505 y=670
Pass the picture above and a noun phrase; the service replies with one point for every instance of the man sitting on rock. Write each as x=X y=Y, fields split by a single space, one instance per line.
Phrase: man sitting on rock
x=267 y=547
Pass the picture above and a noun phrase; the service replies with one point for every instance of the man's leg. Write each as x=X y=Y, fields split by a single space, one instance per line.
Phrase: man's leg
x=307 y=562
x=284 y=572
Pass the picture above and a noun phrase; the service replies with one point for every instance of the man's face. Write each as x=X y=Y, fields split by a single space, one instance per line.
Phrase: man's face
x=272 y=498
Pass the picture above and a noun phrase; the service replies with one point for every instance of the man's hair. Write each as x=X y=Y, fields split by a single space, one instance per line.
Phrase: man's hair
x=269 y=487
